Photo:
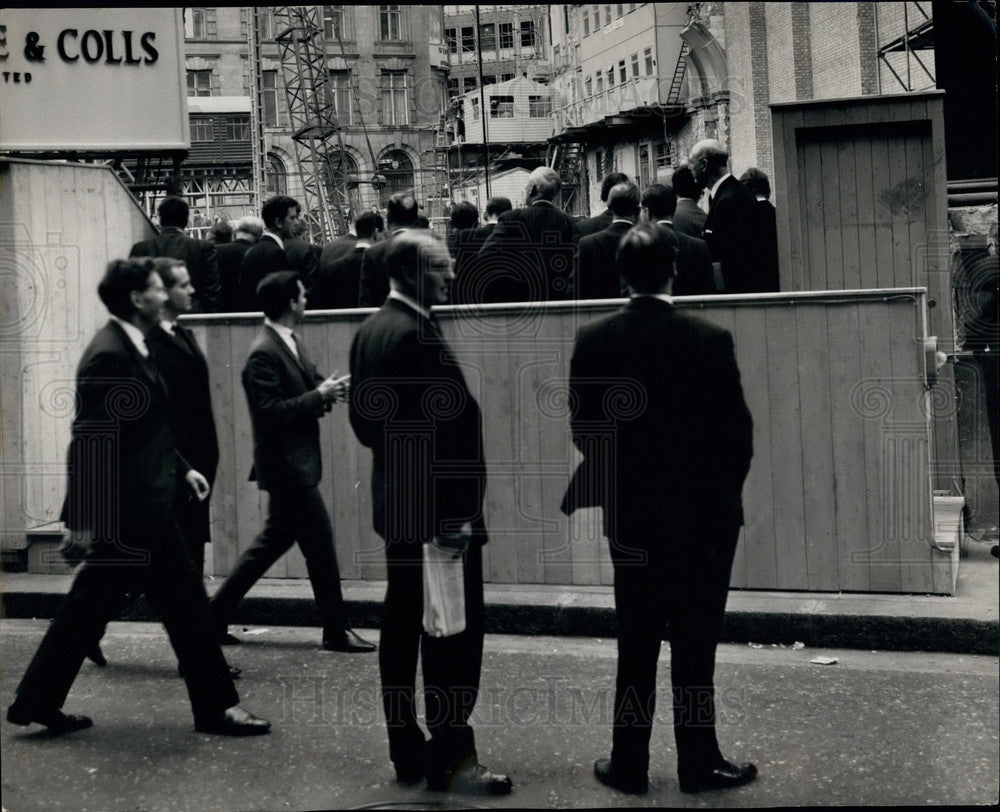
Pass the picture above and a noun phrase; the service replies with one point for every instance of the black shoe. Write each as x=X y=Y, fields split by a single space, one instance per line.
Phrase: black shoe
x=607 y=775
x=726 y=776
x=347 y=641
x=235 y=721
x=995 y=551
x=472 y=780
x=55 y=720
x=97 y=656
x=226 y=639
x=409 y=771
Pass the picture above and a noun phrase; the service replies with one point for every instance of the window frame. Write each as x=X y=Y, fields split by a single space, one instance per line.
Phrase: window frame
x=390 y=16
x=200 y=126
x=501 y=106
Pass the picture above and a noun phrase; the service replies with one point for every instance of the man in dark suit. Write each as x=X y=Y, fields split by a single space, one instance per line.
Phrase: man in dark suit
x=599 y=277
x=281 y=222
x=338 y=282
x=667 y=464
x=123 y=474
x=730 y=228
x=401 y=213
x=531 y=254
x=337 y=248
x=601 y=221
x=428 y=484
x=688 y=217
x=757 y=183
x=286 y=397
x=694 y=265
x=199 y=255
x=469 y=286
x=303 y=256
x=230 y=259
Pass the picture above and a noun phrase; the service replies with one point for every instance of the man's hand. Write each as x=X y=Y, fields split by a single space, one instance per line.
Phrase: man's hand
x=199 y=485
x=335 y=388
x=76 y=545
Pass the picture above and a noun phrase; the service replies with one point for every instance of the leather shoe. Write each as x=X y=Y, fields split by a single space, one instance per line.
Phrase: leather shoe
x=348 y=641
x=55 y=720
x=726 y=776
x=96 y=656
x=472 y=780
x=235 y=721
x=410 y=771
x=607 y=775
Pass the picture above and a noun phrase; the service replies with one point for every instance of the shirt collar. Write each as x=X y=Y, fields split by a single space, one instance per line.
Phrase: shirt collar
x=622 y=220
x=718 y=183
x=663 y=297
x=286 y=333
x=363 y=244
x=665 y=221
x=167 y=326
x=542 y=203
x=276 y=238
x=135 y=335
x=411 y=303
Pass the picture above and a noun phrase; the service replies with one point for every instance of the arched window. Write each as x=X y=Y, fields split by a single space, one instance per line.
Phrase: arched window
x=277 y=176
x=397 y=168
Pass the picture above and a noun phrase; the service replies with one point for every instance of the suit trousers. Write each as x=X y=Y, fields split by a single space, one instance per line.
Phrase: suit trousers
x=683 y=586
x=193 y=520
x=99 y=592
x=294 y=515
x=451 y=665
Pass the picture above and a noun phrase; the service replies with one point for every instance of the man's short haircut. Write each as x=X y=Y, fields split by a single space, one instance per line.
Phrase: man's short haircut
x=275 y=291
x=756 y=181
x=683 y=182
x=496 y=206
x=367 y=223
x=464 y=215
x=121 y=277
x=277 y=208
x=543 y=184
x=660 y=200
x=173 y=212
x=711 y=151
x=402 y=210
x=406 y=253
x=221 y=233
x=645 y=257
x=610 y=181
x=164 y=266
x=250 y=225
x=422 y=221
x=623 y=199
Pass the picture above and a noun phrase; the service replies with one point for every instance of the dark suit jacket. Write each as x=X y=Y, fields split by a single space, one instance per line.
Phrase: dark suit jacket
x=123 y=467
x=767 y=230
x=336 y=248
x=692 y=263
x=599 y=278
x=594 y=224
x=409 y=395
x=689 y=218
x=730 y=232
x=304 y=258
x=285 y=408
x=532 y=251
x=230 y=258
x=337 y=284
x=671 y=452
x=467 y=286
x=265 y=257
x=373 y=286
x=198 y=255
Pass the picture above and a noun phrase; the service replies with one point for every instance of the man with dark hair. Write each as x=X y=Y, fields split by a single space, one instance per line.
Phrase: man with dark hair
x=468 y=287
x=221 y=233
x=601 y=221
x=401 y=213
x=230 y=258
x=531 y=254
x=694 y=265
x=123 y=474
x=287 y=397
x=757 y=183
x=281 y=222
x=730 y=228
x=338 y=283
x=427 y=500
x=688 y=217
x=599 y=277
x=198 y=255
x=669 y=475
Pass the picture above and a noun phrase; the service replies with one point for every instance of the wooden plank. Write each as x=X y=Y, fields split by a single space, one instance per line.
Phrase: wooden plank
x=904 y=270
x=222 y=507
x=813 y=182
x=793 y=278
x=885 y=276
x=847 y=173
x=835 y=205
x=867 y=243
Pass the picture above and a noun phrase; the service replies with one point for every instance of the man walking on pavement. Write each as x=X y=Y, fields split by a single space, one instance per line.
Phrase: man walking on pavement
x=428 y=485
x=123 y=476
x=667 y=467
x=287 y=397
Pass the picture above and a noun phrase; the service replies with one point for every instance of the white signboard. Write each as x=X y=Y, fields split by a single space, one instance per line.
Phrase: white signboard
x=101 y=79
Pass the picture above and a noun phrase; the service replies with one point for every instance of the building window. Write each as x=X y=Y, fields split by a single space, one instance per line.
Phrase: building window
x=238 y=129
x=607 y=14
x=539 y=106
x=266 y=24
x=648 y=56
x=469 y=83
x=620 y=11
x=527 y=33
x=468 y=40
x=273 y=113
x=645 y=176
x=611 y=77
x=586 y=23
x=450 y=40
x=506 y=77
x=453 y=87
x=665 y=155
x=201 y=130
x=475 y=109
x=631 y=7
x=395 y=107
x=488 y=37
x=506 y=35
x=502 y=107
x=635 y=65
x=398 y=170
x=277 y=176
x=600 y=82
x=622 y=73
x=340 y=91
x=389 y=23
x=489 y=79
x=200 y=23
x=597 y=18
x=333 y=23
x=199 y=83
x=588 y=87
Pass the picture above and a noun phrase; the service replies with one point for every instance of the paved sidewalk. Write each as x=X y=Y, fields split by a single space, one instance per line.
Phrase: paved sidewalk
x=967 y=622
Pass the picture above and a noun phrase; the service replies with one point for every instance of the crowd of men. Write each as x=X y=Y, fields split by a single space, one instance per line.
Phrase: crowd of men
x=136 y=508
